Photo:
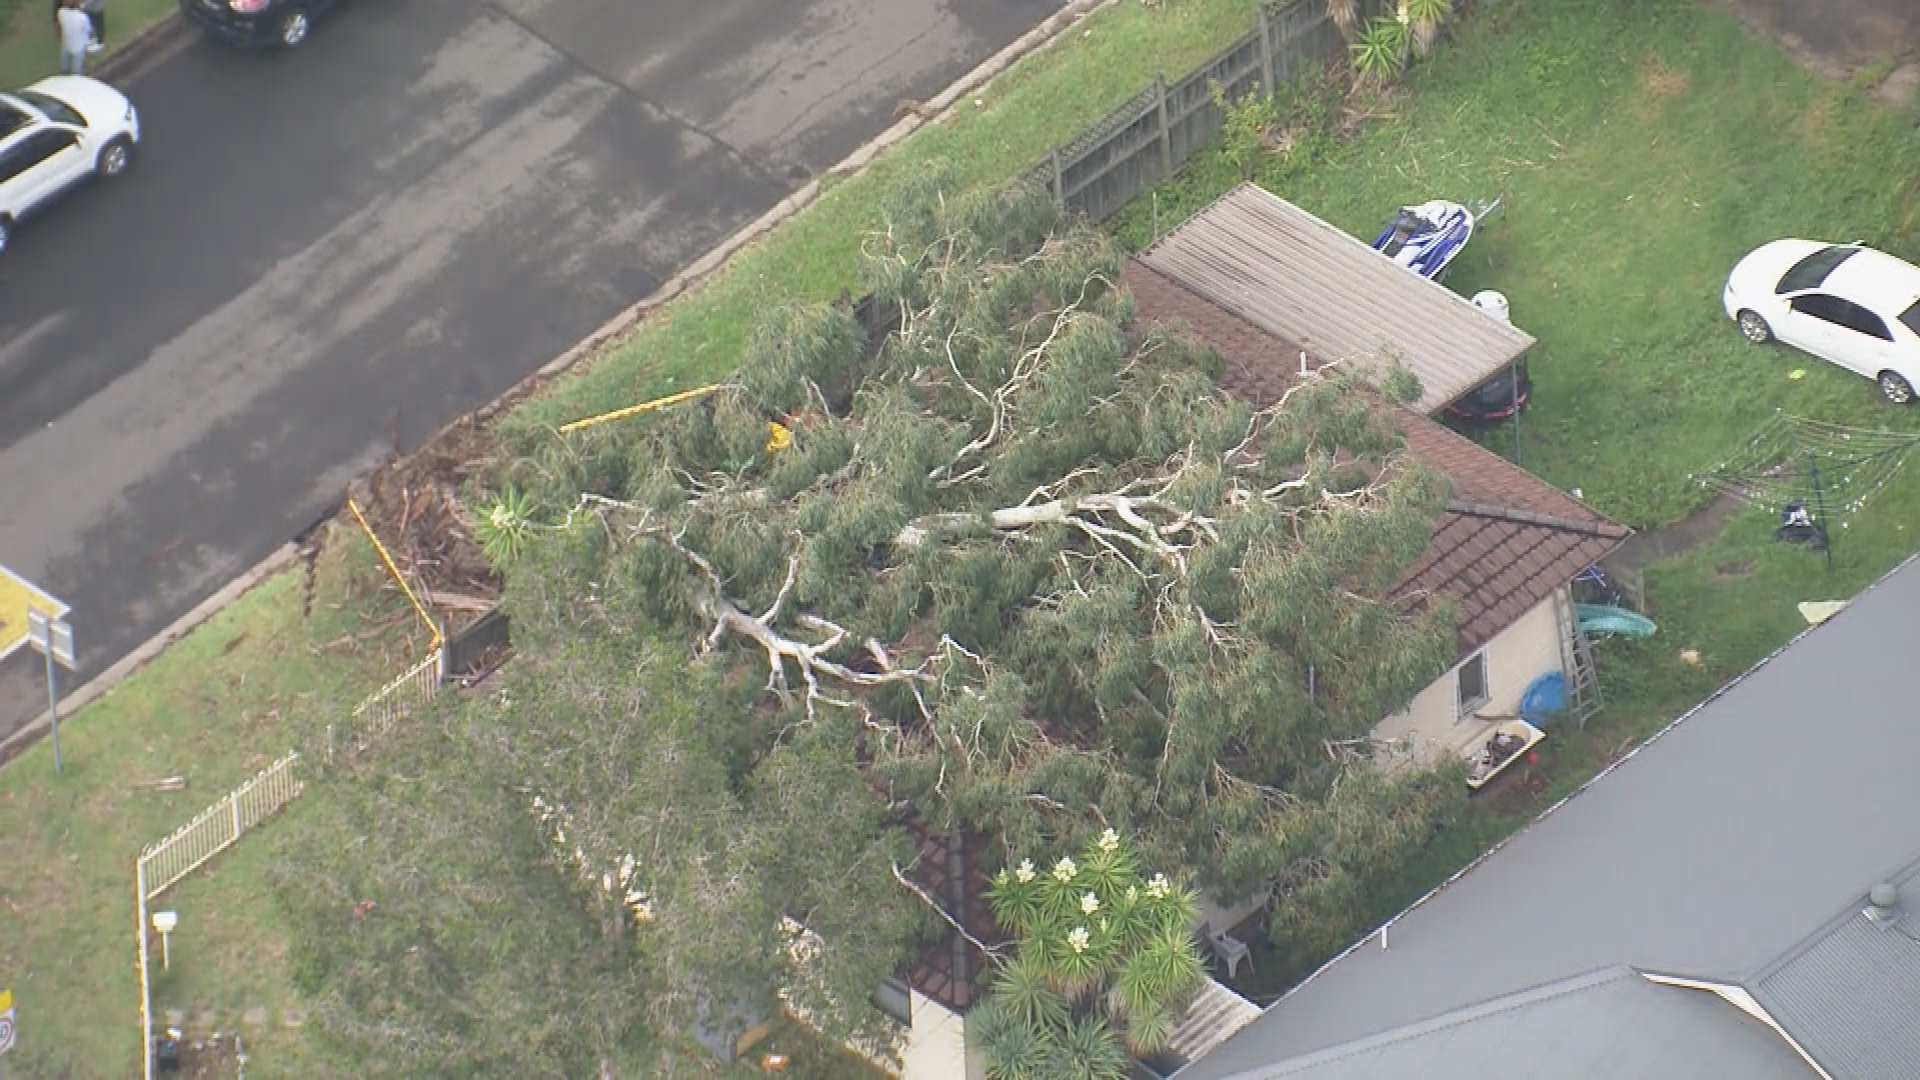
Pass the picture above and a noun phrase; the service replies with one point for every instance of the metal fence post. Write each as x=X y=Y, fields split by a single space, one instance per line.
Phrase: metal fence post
x=1059 y=181
x=1166 y=130
x=146 y=993
x=1266 y=51
x=233 y=804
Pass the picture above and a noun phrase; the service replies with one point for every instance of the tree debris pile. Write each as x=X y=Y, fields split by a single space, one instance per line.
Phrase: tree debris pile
x=413 y=503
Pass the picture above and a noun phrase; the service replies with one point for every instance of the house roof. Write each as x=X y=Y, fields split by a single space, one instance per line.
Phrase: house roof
x=1505 y=541
x=1601 y=1026
x=1711 y=851
x=1850 y=994
x=1312 y=285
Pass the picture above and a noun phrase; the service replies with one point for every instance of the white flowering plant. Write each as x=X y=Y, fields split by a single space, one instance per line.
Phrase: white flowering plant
x=1105 y=961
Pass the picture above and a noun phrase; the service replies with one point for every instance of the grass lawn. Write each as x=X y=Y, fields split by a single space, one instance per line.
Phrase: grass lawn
x=1642 y=149
x=214 y=708
x=29 y=48
x=1043 y=101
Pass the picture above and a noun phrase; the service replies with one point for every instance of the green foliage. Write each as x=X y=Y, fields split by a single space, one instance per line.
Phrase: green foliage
x=589 y=865
x=1105 y=960
x=503 y=526
x=1380 y=52
x=1243 y=131
x=1023 y=562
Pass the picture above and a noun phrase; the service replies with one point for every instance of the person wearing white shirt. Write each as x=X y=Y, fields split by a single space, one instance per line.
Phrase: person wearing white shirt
x=76 y=33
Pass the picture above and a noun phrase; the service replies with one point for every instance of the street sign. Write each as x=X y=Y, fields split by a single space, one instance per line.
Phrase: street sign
x=53 y=636
x=6 y=1021
x=51 y=633
x=17 y=597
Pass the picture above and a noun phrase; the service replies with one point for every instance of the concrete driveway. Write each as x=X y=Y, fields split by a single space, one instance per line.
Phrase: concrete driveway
x=318 y=253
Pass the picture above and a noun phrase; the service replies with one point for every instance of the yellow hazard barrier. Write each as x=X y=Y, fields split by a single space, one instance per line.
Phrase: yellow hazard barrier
x=400 y=580
x=17 y=597
x=636 y=410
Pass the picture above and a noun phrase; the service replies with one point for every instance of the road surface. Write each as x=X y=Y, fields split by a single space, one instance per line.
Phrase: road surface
x=320 y=250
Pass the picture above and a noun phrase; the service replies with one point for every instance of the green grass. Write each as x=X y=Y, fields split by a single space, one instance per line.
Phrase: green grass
x=215 y=708
x=1046 y=99
x=1642 y=148
x=30 y=49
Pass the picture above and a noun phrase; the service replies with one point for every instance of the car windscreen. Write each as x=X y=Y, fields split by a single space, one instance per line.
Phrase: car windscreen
x=56 y=110
x=1911 y=317
x=1809 y=272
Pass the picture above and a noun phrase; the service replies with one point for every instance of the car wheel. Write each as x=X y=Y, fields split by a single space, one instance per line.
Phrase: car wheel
x=1754 y=328
x=1895 y=388
x=114 y=158
x=293 y=28
x=6 y=232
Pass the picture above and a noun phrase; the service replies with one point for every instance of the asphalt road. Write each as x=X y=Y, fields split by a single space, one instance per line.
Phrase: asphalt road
x=317 y=251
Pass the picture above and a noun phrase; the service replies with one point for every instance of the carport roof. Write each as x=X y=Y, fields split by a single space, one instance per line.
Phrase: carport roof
x=1305 y=281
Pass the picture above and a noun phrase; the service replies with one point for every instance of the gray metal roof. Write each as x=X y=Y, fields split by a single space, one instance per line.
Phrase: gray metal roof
x=1307 y=282
x=1609 y=1025
x=1851 y=993
x=1708 y=852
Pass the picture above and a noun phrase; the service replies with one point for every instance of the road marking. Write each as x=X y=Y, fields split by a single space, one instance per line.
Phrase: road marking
x=17 y=597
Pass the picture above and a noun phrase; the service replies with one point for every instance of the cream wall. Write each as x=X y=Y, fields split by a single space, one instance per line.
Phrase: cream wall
x=937 y=1043
x=1515 y=657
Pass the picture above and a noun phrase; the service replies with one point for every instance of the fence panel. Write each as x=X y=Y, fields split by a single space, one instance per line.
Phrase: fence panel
x=1149 y=137
x=387 y=705
x=219 y=826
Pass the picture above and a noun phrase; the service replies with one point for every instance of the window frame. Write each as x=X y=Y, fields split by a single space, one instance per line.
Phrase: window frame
x=895 y=993
x=1465 y=706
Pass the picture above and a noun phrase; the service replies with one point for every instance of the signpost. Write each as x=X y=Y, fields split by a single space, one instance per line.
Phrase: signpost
x=53 y=636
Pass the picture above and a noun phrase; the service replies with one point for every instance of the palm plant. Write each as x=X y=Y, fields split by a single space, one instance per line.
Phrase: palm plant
x=1106 y=961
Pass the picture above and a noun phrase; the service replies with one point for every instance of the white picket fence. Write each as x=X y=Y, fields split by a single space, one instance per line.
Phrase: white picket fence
x=378 y=713
x=218 y=827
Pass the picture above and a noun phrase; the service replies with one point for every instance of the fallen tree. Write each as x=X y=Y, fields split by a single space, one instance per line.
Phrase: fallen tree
x=1023 y=562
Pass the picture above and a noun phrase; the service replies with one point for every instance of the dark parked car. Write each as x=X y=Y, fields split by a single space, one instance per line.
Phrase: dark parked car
x=280 y=23
x=1496 y=399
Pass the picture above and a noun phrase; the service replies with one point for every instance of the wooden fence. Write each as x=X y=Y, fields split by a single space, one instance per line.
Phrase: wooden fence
x=1147 y=139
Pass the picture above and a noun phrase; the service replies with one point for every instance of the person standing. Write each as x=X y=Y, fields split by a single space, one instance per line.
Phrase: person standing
x=76 y=33
x=96 y=12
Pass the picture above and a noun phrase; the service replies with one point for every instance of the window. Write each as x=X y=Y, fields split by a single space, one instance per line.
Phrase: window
x=1820 y=306
x=11 y=119
x=1812 y=270
x=1471 y=683
x=896 y=1000
x=1860 y=320
x=55 y=109
x=1911 y=317
x=42 y=145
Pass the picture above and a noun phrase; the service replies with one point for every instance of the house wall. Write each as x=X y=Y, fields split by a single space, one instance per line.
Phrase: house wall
x=936 y=1046
x=1515 y=657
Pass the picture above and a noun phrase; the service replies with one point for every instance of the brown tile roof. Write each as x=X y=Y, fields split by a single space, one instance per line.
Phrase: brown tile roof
x=1505 y=541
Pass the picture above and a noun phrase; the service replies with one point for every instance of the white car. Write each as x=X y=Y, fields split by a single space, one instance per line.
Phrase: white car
x=1846 y=304
x=56 y=133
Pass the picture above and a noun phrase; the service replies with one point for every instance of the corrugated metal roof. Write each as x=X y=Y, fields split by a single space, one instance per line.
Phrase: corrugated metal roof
x=1307 y=282
x=1215 y=1013
x=1851 y=994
